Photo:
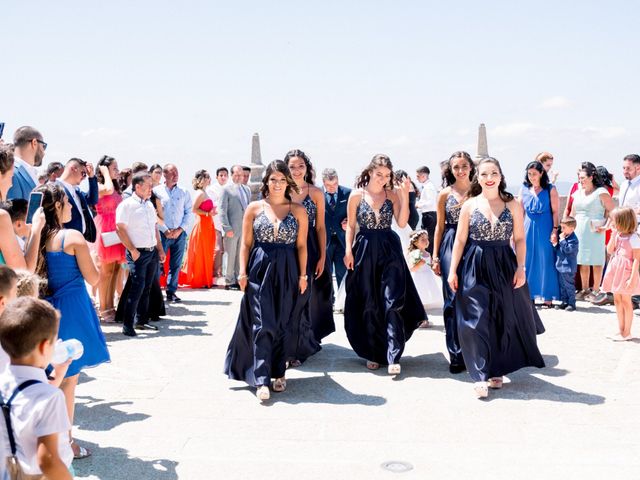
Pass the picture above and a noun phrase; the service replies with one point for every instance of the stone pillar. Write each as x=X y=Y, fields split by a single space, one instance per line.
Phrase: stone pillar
x=257 y=168
x=483 y=149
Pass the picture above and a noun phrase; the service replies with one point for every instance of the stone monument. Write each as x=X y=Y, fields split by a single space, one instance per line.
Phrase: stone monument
x=257 y=168
x=483 y=149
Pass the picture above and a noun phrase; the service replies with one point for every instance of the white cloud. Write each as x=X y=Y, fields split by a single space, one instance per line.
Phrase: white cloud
x=555 y=102
x=102 y=132
x=605 y=133
x=512 y=129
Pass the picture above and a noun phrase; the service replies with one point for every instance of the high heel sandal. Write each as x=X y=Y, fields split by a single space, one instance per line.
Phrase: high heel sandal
x=373 y=365
x=495 y=383
x=394 y=369
x=481 y=390
x=279 y=384
x=263 y=393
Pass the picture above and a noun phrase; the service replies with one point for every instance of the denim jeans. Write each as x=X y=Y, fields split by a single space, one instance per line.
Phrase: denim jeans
x=174 y=247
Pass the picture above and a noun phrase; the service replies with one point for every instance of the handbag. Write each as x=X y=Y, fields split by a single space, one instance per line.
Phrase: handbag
x=109 y=239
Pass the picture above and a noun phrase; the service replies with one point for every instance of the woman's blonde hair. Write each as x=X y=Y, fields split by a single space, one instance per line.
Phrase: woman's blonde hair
x=625 y=219
x=29 y=284
x=413 y=239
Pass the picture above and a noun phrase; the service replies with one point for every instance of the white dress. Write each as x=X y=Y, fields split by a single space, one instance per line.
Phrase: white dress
x=428 y=284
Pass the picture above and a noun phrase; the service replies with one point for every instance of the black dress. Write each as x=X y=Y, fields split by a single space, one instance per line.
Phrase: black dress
x=256 y=352
x=382 y=307
x=414 y=216
x=496 y=323
x=452 y=214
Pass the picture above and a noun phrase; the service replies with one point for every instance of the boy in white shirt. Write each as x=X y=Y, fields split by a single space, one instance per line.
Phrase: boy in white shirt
x=38 y=415
x=8 y=292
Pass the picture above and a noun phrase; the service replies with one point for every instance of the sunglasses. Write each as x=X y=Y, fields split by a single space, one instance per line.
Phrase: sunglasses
x=44 y=144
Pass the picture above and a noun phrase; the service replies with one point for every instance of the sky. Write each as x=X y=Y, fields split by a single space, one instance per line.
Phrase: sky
x=190 y=82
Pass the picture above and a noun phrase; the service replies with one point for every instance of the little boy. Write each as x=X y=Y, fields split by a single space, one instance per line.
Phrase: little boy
x=8 y=292
x=567 y=264
x=17 y=209
x=39 y=419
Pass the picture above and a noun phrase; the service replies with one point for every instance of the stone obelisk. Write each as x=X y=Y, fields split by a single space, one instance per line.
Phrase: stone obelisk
x=255 y=181
x=483 y=149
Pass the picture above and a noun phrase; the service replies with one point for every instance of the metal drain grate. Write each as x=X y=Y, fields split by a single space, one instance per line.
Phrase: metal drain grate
x=396 y=466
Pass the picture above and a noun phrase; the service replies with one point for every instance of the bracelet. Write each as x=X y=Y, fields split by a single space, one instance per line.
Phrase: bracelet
x=435 y=260
x=524 y=269
x=303 y=277
x=240 y=277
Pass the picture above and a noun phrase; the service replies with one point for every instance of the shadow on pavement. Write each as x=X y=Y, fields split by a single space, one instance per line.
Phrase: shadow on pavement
x=111 y=463
x=200 y=302
x=167 y=327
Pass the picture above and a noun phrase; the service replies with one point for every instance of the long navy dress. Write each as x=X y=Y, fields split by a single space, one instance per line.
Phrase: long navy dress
x=496 y=323
x=256 y=352
x=452 y=214
x=315 y=307
x=382 y=306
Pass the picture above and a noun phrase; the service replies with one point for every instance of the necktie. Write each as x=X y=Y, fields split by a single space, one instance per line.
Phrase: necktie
x=244 y=195
x=332 y=200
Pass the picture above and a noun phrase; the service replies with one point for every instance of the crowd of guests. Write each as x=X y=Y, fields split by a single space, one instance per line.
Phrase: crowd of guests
x=395 y=246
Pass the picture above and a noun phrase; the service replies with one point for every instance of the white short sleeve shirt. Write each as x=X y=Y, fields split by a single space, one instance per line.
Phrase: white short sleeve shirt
x=140 y=218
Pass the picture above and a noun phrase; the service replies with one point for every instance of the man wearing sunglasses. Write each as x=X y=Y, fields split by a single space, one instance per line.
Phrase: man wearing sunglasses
x=74 y=172
x=28 y=154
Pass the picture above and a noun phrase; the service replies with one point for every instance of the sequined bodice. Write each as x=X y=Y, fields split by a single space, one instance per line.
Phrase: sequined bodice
x=311 y=209
x=264 y=230
x=367 y=217
x=452 y=210
x=480 y=227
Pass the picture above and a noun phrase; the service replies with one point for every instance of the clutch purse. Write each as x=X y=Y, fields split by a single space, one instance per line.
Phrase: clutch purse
x=109 y=239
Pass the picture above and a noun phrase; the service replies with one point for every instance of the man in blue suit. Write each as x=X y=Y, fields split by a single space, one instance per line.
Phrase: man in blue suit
x=81 y=218
x=28 y=153
x=335 y=218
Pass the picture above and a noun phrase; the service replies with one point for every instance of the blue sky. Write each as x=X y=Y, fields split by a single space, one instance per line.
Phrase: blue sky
x=190 y=82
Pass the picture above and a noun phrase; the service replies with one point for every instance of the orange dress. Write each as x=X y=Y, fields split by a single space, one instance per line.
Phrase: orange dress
x=197 y=270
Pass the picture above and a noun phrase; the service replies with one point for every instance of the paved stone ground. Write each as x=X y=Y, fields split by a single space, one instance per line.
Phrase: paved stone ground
x=163 y=409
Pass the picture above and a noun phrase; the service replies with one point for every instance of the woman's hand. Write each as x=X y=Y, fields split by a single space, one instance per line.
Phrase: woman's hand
x=104 y=170
x=302 y=283
x=348 y=260
x=38 y=221
x=453 y=281
x=519 y=278
x=554 y=237
x=436 y=268
x=319 y=268
x=242 y=281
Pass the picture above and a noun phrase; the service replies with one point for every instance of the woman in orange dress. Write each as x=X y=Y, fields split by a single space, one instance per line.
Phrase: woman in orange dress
x=197 y=271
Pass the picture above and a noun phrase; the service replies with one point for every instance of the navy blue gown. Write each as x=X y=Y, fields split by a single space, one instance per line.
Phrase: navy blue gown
x=256 y=352
x=315 y=306
x=496 y=323
x=452 y=214
x=382 y=306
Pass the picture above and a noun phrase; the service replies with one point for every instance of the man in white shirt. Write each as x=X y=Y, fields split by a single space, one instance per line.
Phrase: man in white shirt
x=630 y=189
x=29 y=148
x=215 y=192
x=136 y=224
x=426 y=204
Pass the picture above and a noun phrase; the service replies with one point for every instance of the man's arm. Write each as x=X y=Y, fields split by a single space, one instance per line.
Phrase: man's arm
x=92 y=196
x=187 y=218
x=224 y=205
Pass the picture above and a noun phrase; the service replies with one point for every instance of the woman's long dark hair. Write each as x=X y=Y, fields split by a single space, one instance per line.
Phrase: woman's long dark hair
x=379 y=160
x=310 y=175
x=448 y=178
x=607 y=178
x=401 y=175
x=281 y=167
x=591 y=171
x=544 y=178
x=106 y=160
x=52 y=194
x=476 y=188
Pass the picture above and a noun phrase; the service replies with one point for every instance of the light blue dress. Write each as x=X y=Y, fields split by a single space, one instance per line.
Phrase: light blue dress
x=589 y=209
x=542 y=276
x=78 y=318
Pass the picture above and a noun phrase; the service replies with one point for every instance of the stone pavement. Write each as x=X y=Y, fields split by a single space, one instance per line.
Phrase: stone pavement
x=163 y=409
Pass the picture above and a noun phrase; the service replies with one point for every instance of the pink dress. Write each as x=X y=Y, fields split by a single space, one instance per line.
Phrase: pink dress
x=619 y=269
x=105 y=221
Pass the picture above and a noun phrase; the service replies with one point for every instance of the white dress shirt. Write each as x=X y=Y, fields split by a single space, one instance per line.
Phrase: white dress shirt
x=76 y=200
x=629 y=196
x=428 y=196
x=215 y=192
x=37 y=411
x=140 y=218
x=31 y=170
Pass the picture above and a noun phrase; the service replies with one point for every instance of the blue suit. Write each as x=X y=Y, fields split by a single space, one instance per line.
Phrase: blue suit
x=86 y=199
x=336 y=242
x=23 y=184
x=567 y=265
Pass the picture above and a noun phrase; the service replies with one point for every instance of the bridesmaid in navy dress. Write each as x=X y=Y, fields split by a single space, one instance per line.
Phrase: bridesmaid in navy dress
x=496 y=318
x=315 y=308
x=456 y=179
x=273 y=259
x=382 y=306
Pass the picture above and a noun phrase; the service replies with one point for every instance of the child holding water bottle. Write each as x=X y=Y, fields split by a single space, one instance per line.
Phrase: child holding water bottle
x=622 y=277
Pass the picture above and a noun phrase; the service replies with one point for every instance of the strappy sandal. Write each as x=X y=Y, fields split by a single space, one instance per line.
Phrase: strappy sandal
x=394 y=369
x=495 y=383
x=263 y=393
x=481 y=390
x=279 y=384
x=373 y=365
x=82 y=452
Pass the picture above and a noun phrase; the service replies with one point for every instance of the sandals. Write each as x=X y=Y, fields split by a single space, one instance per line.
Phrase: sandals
x=279 y=384
x=424 y=324
x=495 y=383
x=481 y=390
x=373 y=365
x=394 y=369
x=82 y=452
x=263 y=393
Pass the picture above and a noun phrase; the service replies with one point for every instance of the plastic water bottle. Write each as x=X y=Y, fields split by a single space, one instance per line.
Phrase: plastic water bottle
x=69 y=349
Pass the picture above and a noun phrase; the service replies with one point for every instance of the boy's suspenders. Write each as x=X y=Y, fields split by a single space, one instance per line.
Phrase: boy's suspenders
x=6 y=410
